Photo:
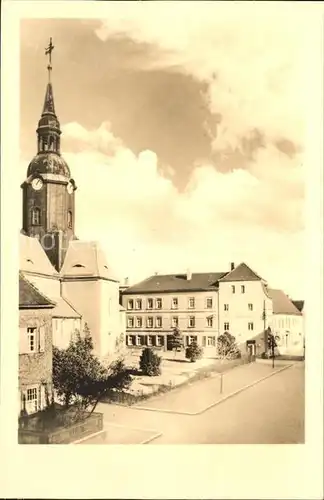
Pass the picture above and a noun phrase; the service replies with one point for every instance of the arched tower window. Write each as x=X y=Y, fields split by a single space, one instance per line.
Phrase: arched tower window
x=69 y=219
x=51 y=143
x=35 y=216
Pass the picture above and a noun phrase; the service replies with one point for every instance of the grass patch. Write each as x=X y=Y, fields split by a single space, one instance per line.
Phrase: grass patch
x=128 y=399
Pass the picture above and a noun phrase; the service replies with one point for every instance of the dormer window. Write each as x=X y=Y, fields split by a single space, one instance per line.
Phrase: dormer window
x=35 y=216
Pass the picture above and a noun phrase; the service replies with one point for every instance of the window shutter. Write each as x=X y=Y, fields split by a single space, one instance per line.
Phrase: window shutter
x=204 y=341
x=23 y=341
x=41 y=338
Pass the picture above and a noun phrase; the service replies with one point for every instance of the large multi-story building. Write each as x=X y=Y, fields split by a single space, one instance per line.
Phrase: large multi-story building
x=202 y=306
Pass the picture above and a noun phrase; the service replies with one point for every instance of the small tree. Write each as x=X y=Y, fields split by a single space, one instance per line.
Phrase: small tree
x=194 y=352
x=227 y=347
x=80 y=379
x=150 y=362
x=176 y=340
x=272 y=344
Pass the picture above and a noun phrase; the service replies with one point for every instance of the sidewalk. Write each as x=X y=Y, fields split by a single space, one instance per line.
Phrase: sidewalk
x=198 y=396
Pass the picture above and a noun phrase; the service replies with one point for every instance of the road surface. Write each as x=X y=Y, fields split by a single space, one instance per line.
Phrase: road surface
x=270 y=412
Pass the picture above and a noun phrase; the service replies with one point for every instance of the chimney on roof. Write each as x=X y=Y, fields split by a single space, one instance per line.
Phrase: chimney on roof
x=232 y=266
x=189 y=275
x=126 y=282
x=156 y=273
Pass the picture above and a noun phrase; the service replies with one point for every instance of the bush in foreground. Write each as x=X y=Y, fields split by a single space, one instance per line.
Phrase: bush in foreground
x=194 y=352
x=79 y=378
x=150 y=362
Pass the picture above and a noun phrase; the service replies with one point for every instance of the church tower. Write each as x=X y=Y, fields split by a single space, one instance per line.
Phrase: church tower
x=49 y=190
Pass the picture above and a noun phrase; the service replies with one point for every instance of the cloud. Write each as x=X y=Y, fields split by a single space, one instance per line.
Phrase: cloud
x=253 y=61
x=145 y=224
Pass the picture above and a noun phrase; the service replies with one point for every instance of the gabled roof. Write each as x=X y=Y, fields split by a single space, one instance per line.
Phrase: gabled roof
x=241 y=273
x=33 y=258
x=64 y=309
x=30 y=297
x=86 y=259
x=176 y=283
x=282 y=304
x=299 y=304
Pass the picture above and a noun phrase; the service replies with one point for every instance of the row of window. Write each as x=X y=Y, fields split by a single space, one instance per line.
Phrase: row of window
x=250 y=326
x=159 y=341
x=151 y=303
x=234 y=288
x=150 y=323
x=226 y=307
x=138 y=322
x=36 y=217
x=286 y=322
x=157 y=303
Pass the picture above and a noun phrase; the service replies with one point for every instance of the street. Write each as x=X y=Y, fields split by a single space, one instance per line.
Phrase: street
x=270 y=412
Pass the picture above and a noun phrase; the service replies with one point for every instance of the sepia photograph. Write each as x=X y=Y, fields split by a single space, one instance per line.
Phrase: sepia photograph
x=162 y=249
x=161 y=292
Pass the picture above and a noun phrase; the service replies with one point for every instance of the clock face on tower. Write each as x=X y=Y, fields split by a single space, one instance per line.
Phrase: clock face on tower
x=37 y=184
x=70 y=188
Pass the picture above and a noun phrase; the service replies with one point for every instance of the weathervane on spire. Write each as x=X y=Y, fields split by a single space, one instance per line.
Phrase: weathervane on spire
x=48 y=51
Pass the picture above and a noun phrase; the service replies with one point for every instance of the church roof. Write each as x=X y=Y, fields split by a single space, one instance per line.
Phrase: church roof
x=176 y=283
x=49 y=100
x=33 y=259
x=48 y=163
x=30 y=297
x=86 y=259
x=64 y=309
x=242 y=273
x=282 y=304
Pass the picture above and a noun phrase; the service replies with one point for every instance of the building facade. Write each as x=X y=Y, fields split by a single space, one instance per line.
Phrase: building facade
x=35 y=348
x=287 y=324
x=202 y=306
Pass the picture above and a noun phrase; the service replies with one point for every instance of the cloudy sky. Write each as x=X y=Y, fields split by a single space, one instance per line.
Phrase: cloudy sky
x=184 y=131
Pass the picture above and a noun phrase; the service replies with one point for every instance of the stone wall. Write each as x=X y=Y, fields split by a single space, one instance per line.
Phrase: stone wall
x=66 y=435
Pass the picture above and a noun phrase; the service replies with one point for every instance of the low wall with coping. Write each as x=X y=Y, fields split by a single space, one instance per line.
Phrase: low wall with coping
x=63 y=435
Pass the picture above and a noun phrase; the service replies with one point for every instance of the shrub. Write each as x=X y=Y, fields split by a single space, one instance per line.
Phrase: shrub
x=227 y=347
x=194 y=352
x=80 y=379
x=150 y=362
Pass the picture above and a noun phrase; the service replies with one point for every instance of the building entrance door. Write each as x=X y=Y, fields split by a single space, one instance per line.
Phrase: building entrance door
x=251 y=348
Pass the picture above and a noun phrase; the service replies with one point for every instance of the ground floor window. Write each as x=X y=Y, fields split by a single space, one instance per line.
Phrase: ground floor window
x=31 y=400
x=159 y=340
x=211 y=341
x=145 y=340
x=191 y=338
x=130 y=340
